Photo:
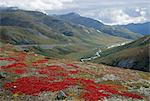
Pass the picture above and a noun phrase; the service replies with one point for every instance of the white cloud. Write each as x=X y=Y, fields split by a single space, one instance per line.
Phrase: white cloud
x=108 y=11
x=41 y=5
x=119 y=16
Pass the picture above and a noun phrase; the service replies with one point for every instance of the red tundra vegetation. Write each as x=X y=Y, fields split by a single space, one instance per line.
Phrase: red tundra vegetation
x=91 y=91
x=38 y=62
x=33 y=85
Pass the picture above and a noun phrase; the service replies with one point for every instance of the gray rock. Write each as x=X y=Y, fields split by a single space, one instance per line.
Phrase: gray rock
x=126 y=63
x=61 y=95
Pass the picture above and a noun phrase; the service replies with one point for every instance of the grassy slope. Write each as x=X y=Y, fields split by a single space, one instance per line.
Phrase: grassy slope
x=23 y=22
x=19 y=35
x=120 y=32
x=137 y=51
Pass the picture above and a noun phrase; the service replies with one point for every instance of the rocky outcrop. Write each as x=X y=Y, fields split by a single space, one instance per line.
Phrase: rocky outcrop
x=126 y=63
x=132 y=63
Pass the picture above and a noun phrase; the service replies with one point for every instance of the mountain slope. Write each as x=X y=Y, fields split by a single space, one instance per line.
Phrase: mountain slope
x=32 y=27
x=142 y=28
x=76 y=18
x=53 y=28
x=17 y=25
x=88 y=22
x=134 y=55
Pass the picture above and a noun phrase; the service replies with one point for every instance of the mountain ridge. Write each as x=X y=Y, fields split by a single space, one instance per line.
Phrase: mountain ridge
x=142 y=28
x=91 y=23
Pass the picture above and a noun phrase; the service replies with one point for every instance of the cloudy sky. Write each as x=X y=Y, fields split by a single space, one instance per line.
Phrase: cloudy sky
x=107 y=11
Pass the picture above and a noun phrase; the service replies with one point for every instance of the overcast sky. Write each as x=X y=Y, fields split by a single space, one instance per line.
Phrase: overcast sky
x=107 y=11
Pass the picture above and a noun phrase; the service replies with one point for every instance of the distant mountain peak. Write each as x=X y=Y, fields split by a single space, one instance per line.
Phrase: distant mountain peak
x=73 y=14
x=9 y=8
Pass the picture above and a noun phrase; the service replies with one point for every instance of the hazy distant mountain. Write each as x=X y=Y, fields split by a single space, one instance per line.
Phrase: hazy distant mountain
x=134 y=55
x=142 y=28
x=88 y=22
x=4 y=9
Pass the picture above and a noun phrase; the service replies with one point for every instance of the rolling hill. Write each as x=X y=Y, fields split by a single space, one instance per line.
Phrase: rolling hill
x=134 y=55
x=91 y=23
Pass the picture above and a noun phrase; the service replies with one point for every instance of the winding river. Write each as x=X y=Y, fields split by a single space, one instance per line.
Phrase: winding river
x=98 y=53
